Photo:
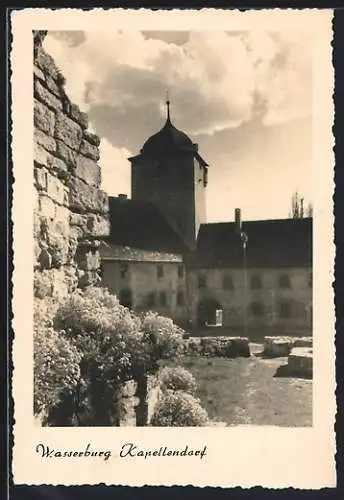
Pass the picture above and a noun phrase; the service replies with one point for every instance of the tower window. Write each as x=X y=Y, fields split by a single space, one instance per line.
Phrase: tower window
x=257 y=309
x=163 y=299
x=151 y=300
x=180 y=271
x=227 y=283
x=285 y=310
x=256 y=282
x=202 y=281
x=124 y=269
x=180 y=299
x=160 y=271
x=284 y=281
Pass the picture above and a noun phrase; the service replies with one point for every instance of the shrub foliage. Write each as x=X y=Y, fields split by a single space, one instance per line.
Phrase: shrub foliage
x=87 y=348
x=179 y=409
x=178 y=379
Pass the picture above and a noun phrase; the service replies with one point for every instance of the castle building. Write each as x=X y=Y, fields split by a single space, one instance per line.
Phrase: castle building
x=162 y=255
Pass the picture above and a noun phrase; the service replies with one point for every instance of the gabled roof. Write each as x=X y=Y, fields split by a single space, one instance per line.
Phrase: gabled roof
x=271 y=243
x=140 y=225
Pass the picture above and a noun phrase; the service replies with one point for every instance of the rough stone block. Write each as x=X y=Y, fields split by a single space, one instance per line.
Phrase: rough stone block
x=63 y=214
x=84 y=198
x=129 y=389
x=89 y=150
x=55 y=165
x=41 y=178
x=282 y=346
x=43 y=284
x=46 y=97
x=87 y=170
x=55 y=283
x=128 y=412
x=66 y=154
x=78 y=116
x=53 y=186
x=56 y=89
x=44 y=118
x=46 y=206
x=47 y=64
x=88 y=278
x=38 y=73
x=45 y=259
x=300 y=362
x=87 y=260
x=68 y=131
x=92 y=225
x=44 y=140
x=92 y=138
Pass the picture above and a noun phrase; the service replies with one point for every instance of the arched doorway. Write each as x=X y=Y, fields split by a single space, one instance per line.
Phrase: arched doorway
x=126 y=298
x=206 y=312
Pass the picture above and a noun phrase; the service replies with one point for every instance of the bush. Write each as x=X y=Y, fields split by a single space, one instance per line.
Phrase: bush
x=166 y=337
x=107 y=342
x=56 y=362
x=178 y=379
x=179 y=409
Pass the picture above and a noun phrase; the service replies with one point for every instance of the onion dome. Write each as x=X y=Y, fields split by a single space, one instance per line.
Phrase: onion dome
x=168 y=139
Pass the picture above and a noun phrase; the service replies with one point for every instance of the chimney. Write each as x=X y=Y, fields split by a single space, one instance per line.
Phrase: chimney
x=237 y=218
x=122 y=196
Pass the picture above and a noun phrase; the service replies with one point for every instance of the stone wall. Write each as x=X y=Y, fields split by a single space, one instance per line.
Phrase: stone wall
x=71 y=211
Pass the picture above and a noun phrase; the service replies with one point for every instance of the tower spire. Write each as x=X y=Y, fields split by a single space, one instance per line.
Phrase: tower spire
x=168 y=106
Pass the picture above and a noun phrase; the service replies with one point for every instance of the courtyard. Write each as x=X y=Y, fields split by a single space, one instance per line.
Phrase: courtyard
x=246 y=391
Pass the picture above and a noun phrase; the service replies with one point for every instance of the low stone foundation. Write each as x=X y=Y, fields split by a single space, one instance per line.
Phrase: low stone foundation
x=300 y=362
x=275 y=347
x=138 y=401
x=225 y=347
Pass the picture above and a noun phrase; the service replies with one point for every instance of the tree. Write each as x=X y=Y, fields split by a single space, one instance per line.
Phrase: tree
x=309 y=210
x=297 y=207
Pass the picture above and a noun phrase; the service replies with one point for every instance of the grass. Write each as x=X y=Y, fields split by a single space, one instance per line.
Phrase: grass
x=245 y=391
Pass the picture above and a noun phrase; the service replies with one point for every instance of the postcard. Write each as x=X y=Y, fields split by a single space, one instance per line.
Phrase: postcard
x=173 y=310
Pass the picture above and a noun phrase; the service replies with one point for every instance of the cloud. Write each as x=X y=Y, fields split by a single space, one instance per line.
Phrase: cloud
x=245 y=97
x=216 y=80
x=115 y=169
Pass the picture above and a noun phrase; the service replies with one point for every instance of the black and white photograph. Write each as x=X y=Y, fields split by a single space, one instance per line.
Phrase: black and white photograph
x=175 y=203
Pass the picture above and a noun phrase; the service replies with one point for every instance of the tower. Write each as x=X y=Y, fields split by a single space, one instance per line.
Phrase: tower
x=170 y=172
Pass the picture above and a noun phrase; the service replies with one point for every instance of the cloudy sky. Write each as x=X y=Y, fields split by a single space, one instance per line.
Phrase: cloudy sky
x=244 y=97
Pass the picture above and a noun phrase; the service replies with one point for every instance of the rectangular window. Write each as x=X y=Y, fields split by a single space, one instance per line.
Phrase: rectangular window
x=227 y=283
x=284 y=281
x=202 y=281
x=180 y=271
x=163 y=299
x=151 y=299
x=310 y=279
x=256 y=282
x=285 y=310
x=180 y=299
x=160 y=271
x=257 y=309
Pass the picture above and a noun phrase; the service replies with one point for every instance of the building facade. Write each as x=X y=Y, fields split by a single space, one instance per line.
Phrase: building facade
x=162 y=255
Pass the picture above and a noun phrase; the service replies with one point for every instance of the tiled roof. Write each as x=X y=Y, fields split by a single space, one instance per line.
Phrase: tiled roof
x=140 y=225
x=271 y=243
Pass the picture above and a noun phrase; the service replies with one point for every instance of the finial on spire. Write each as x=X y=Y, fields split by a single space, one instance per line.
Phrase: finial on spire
x=168 y=105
